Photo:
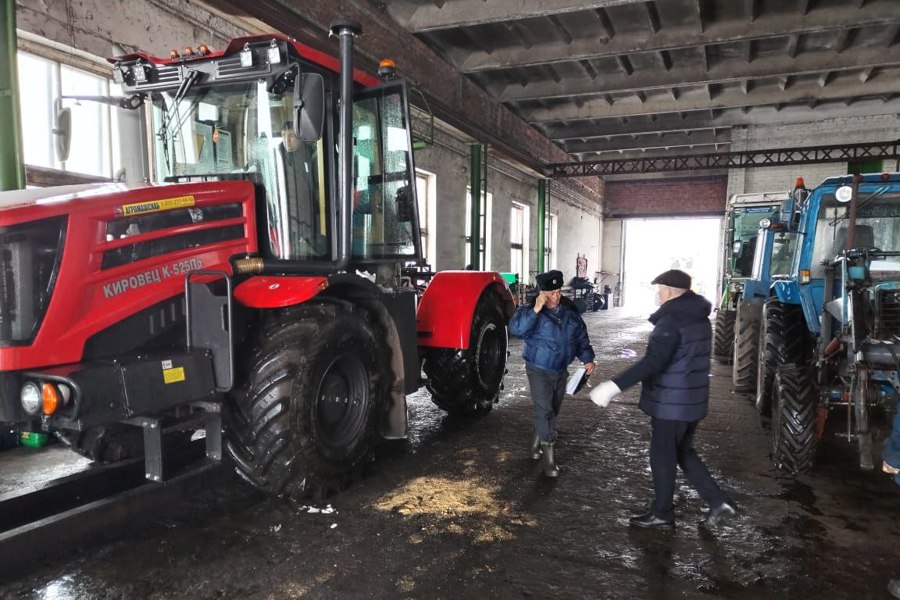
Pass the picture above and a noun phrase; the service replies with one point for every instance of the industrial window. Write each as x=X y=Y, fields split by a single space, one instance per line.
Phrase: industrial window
x=550 y=242
x=485 y=236
x=41 y=83
x=518 y=240
x=426 y=192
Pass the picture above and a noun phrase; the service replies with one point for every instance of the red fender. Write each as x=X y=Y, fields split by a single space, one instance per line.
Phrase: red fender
x=278 y=292
x=444 y=315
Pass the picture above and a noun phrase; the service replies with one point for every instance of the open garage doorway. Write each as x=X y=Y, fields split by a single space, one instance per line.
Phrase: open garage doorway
x=656 y=245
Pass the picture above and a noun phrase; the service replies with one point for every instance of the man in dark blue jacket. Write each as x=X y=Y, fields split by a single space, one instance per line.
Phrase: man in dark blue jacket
x=554 y=335
x=675 y=393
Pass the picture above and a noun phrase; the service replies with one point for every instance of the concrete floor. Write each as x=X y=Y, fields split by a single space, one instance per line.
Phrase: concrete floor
x=460 y=511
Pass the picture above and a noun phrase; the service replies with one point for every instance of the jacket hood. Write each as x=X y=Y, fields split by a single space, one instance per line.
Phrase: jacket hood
x=688 y=304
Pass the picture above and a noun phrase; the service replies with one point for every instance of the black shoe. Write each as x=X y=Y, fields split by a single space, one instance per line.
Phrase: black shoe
x=651 y=521
x=720 y=514
x=894 y=588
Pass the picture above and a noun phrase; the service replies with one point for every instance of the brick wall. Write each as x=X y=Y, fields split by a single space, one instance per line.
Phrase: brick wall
x=665 y=197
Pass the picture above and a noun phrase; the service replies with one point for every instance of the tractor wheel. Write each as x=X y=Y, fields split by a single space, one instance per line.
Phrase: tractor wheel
x=746 y=346
x=467 y=380
x=581 y=305
x=782 y=340
x=105 y=443
x=305 y=419
x=793 y=420
x=723 y=342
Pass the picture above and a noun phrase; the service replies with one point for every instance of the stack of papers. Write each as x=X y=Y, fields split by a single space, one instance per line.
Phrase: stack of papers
x=576 y=381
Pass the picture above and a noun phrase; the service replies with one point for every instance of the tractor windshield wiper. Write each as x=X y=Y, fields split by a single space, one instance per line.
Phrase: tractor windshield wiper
x=173 y=116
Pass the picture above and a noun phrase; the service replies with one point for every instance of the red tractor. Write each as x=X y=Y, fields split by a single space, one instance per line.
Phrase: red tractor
x=272 y=276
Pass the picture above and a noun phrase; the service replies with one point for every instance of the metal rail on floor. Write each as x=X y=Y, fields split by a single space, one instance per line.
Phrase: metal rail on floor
x=105 y=502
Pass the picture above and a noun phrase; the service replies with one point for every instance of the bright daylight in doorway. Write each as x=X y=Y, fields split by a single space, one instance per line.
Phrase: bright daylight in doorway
x=656 y=245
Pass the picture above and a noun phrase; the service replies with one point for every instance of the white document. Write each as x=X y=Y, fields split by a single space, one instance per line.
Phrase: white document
x=574 y=380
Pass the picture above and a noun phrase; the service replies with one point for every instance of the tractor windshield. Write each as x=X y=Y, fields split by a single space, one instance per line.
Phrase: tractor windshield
x=877 y=225
x=243 y=131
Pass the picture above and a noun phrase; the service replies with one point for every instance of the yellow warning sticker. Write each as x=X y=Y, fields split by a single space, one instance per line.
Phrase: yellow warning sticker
x=173 y=375
x=140 y=208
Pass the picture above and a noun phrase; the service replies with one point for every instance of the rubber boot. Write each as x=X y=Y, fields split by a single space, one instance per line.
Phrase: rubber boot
x=535 y=448
x=550 y=467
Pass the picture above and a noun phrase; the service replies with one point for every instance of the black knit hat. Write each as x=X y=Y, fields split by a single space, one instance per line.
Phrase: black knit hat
x=674 y=278
x=550 y=281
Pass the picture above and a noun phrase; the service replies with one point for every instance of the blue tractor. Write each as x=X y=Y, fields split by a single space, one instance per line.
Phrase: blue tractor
x=775 y=240
x=772 y=261
x=830 y=333
x=740 y=239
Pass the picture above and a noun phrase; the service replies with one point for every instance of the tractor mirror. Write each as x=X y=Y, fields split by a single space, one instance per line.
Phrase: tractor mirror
x=62 y=132
x=309 y=106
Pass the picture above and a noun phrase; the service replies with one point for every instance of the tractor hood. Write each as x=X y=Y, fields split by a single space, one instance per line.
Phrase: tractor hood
x=113 y=200
x=60 y=196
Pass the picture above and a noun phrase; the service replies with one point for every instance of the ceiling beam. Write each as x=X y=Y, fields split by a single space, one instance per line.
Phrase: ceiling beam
x=841 y=88
x=730 y=70
x=701 y=120
x=752 y=9
x=469 y=13
x=644 y=142
x=747 y=159
x=605 y=23
x=705 y=13
x=768 y=25
x=652 y=16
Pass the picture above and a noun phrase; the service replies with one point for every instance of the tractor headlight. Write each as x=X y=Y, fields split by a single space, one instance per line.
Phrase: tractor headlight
x=30 y=397
x=765 y=223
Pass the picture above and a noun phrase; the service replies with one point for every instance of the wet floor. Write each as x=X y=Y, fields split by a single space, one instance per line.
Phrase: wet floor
x=460 y=511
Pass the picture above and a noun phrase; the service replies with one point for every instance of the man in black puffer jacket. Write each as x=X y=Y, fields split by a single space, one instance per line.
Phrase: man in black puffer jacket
x=675 y=393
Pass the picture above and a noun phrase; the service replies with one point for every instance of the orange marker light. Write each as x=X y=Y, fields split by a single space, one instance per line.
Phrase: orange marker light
x=49 y=398
x=188 y=51
x=800 y=183
x=173 y=54
x=387 y=68
x=203 y=49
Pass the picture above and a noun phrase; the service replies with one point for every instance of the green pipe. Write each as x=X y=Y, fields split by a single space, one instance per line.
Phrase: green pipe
x=483 y=203
x=543 y=188
x=475 y=211
x=12 y=163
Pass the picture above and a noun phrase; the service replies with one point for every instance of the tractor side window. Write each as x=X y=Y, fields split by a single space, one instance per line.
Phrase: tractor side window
x=782 y=254
x=383 y=195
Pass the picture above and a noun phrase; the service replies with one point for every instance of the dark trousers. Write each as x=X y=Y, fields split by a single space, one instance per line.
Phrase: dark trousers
x=671 y=444
x=547 y=391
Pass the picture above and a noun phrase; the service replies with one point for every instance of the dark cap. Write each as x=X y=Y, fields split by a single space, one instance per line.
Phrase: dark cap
x=674 y=278
x=550 y=281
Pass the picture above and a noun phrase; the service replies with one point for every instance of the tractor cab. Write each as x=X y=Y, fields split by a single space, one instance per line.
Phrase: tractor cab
x=261 y=111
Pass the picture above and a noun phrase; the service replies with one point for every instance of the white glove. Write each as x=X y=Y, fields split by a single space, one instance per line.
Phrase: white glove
x=604 y=393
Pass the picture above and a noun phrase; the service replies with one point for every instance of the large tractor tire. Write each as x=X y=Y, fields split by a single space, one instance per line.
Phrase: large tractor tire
x=746 y=346
x=794 y=420
x=723 y=341
x=783 y=339
x=469 y=380
x=305 y=418
x=105 y=443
